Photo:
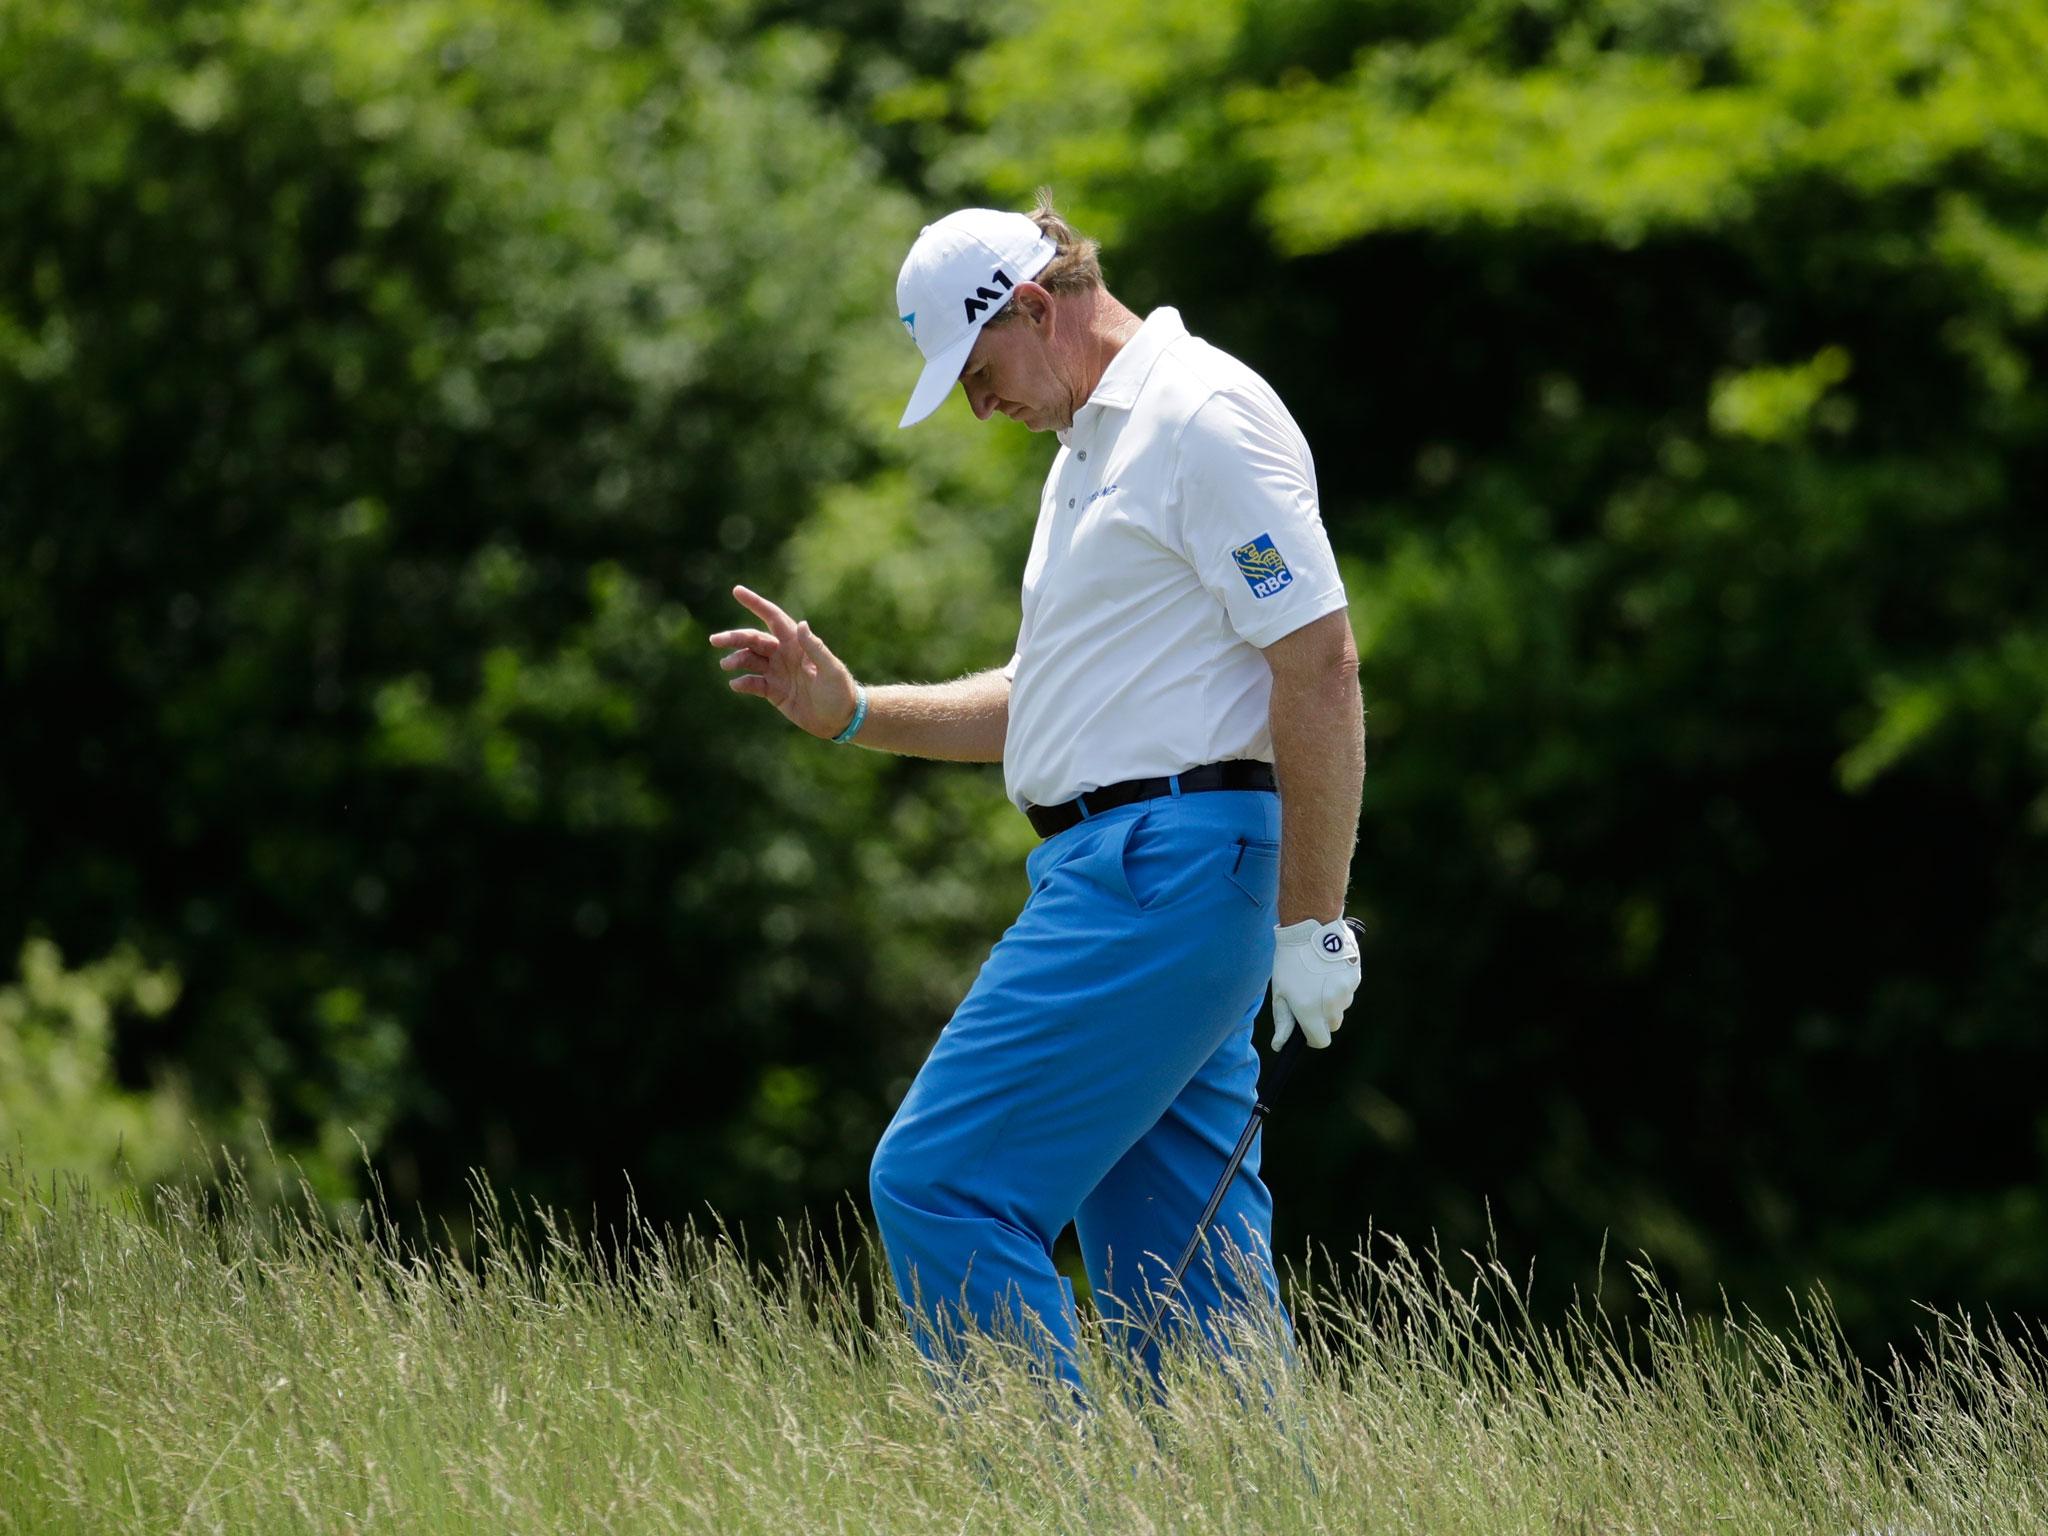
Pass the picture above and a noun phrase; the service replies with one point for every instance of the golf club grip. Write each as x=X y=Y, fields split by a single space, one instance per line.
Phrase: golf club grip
x=1281 y=1068
x=1283 y=1065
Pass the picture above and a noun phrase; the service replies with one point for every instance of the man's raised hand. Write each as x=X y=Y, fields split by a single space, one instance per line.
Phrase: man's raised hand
x=789 y=667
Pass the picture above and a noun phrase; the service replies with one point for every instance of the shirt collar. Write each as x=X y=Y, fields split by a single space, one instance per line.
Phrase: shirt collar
x=1127 y=371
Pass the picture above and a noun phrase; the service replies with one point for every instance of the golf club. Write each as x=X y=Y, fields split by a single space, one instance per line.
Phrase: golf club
x=1270 y=1085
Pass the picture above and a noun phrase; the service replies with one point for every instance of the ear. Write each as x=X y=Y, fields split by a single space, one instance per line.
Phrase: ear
x=1032 y=303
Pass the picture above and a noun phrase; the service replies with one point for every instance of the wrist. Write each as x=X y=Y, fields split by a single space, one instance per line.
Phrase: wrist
x=1336 y=940
x=859 y=718
x=1306 y=921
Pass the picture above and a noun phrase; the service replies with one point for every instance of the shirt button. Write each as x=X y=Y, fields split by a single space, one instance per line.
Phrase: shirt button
x=1084 y=455
x=1070 y=501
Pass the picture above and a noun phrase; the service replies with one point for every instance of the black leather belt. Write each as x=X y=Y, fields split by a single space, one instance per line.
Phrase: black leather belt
x=1238 y=773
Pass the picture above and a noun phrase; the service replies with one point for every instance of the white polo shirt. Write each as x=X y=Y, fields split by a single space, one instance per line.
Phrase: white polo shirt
x=1178 y=533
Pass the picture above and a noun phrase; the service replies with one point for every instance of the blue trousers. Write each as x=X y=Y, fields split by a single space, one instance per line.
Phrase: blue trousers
x=1099 y=1071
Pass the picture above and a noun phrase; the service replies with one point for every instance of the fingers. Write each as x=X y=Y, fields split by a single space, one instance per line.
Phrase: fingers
x=819 y=652
x=783 y=626
x=780 y=663
x=753 y=639
x=1316 y=1020
x=1283 y=1021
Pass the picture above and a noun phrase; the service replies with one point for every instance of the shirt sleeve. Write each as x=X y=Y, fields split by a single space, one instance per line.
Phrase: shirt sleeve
x=1251 y=523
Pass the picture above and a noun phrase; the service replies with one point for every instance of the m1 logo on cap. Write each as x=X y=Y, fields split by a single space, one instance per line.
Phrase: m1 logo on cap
x=984 y=296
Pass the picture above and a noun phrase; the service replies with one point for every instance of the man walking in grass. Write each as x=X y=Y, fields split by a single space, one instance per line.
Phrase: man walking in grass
x=1182 y=724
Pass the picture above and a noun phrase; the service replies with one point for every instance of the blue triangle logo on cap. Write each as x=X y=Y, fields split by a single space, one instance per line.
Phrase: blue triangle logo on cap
x=910 y=323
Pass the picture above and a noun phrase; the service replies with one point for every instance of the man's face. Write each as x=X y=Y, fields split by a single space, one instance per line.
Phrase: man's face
x=1014 y=369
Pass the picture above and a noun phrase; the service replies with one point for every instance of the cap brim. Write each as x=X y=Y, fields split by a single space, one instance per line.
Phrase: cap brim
x=940 y=374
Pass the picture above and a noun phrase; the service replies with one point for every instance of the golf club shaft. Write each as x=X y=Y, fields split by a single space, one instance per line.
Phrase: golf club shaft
x=1273 y=1081
x=1289 y=1054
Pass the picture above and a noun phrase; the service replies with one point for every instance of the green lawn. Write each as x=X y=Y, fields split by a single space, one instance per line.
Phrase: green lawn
x=244 y=1370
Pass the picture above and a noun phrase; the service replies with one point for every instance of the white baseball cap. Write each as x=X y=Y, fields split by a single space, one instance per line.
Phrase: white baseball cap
x=958 y=274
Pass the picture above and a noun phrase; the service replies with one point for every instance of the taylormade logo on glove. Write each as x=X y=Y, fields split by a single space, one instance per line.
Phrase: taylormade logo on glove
x=1315 y=972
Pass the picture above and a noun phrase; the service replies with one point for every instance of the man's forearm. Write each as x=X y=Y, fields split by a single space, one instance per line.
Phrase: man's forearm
x=1318 y=725
x=963 y=721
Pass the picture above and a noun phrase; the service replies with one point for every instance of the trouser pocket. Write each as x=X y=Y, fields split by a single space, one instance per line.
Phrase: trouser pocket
x=1255 y=870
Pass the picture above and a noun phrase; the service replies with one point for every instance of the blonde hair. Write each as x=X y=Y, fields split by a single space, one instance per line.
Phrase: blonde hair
x=1075 y=265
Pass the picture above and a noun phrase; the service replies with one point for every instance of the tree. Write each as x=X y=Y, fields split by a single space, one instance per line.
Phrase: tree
x=61 y=1111
x=1674 y=371
x=387 y=400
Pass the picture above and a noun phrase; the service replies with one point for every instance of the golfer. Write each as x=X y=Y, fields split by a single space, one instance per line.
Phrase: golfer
x=1181 y=722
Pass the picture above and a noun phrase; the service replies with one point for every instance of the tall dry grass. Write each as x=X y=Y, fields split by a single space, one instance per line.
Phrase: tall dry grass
x=221 y=1362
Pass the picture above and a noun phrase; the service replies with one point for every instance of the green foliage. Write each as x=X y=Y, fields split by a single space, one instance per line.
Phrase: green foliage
x=1631 y=120
x=62 y=1111
x=1773 y=404
x=388 y=400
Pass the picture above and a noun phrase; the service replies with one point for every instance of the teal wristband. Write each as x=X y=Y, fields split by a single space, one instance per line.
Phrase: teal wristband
x=860 y=716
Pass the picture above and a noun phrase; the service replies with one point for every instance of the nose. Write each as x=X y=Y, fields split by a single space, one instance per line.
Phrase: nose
x=980 y=401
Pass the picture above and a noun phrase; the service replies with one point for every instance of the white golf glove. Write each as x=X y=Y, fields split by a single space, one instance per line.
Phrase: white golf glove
x=1315 y=971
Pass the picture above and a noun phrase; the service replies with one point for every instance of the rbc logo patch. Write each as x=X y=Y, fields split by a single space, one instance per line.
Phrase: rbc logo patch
x=1265 y=572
